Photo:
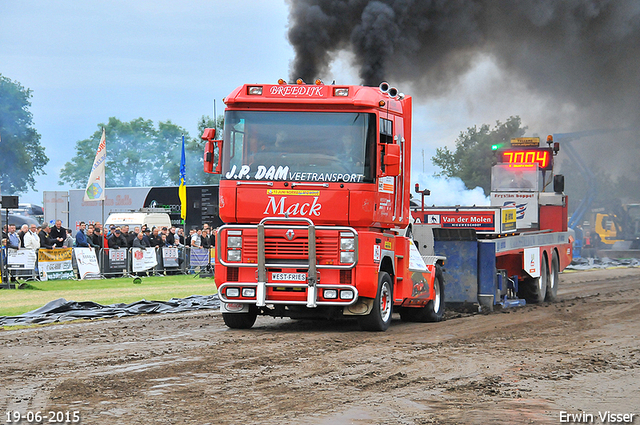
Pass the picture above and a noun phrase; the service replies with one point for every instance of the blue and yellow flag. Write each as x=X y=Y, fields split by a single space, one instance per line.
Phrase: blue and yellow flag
x=182 y=190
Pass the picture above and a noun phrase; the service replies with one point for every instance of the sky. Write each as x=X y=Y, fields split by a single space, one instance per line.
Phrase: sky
x=159 y=60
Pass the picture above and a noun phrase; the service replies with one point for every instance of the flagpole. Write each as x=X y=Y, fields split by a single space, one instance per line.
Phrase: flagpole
x=182 y=189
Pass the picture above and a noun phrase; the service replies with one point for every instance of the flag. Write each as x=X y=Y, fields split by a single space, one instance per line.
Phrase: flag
x=96 y=188
x=182 y=190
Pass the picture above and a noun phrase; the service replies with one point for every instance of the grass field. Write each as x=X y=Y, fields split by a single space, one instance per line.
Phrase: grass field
x=14 y=302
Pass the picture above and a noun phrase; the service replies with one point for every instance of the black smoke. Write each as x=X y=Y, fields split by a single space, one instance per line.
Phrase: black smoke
x=582 y=52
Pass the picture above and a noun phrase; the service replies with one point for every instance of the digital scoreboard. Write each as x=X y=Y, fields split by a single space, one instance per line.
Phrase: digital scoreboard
x=524 y=157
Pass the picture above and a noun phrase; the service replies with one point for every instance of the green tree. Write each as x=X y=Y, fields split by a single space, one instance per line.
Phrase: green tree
x=22 y=157
x=138 y=154
x=194 y=152
x=473 y=157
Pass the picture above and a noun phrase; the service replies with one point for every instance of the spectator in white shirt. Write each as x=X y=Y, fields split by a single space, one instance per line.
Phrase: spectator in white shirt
x=31 y=238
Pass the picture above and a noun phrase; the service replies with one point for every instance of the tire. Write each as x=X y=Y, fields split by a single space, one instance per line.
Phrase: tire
x=241 y=320
x=433 y=311
x=554 y=279
x=379 y=318
x=534 y=290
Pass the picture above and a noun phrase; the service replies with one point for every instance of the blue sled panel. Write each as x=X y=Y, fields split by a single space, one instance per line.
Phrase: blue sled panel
x=461 y=270
x=487 y=274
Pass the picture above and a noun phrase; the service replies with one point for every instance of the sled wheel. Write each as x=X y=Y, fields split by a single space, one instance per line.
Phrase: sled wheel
x=241 y=320
x=554 y=278
x=379 y=318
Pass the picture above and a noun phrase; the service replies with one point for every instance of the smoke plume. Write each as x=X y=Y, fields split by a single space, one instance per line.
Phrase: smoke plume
x=582 y=52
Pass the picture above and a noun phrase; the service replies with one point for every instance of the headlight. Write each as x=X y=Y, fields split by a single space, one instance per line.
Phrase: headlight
x=346 y=294
x=347 y=244
x=234 y=242
x=330 y=294
x=234 y=255
x=248 y=292
x=347 y=256
x=233 y=292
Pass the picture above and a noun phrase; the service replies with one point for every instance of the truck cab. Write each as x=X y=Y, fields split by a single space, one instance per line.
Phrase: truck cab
x=314 y=192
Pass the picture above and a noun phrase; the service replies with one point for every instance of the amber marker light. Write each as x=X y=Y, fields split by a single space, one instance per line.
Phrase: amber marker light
x=319 y=82
x=382 y=103
x=299 y=81
x=281 y=81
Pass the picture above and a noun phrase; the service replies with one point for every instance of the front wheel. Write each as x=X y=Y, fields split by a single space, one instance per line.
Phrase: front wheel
x=379 y=318
x=241 y=320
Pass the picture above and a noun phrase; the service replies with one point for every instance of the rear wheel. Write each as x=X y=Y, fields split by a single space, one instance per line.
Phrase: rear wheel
x=241 y=320
x=534 y=290
x=379 y=318
x=434 y=310
x=554 y=278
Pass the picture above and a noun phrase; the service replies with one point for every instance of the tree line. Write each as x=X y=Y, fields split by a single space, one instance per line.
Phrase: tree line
x=141 y=153
x=473 y=157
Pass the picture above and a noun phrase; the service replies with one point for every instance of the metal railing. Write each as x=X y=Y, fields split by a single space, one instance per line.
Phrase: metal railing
x=59 y=263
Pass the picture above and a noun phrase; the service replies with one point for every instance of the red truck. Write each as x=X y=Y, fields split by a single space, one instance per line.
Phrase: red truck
x=314 y=192
x=315 y=195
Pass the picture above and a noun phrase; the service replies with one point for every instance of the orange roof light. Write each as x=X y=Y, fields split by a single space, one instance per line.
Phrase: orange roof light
x=281 y=81
x=299 y=81
x=319 y=82
x=382 y=103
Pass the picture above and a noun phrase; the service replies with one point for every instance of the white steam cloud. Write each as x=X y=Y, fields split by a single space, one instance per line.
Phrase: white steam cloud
x=447 y=191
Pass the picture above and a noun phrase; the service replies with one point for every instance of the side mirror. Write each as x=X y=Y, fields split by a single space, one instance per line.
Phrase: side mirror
x=558 y=183
x=209 y=147
x=392 y=160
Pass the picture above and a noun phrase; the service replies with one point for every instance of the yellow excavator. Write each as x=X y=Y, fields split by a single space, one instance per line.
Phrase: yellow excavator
x=619 y=230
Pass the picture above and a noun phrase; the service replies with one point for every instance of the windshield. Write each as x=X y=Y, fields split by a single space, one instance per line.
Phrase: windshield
x=299 y=146
x=515 y=178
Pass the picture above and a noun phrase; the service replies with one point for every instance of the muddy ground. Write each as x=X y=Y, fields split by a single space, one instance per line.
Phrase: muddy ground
x=526 y=365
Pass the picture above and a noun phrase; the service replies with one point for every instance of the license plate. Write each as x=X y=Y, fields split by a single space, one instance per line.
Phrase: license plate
x=289 y=277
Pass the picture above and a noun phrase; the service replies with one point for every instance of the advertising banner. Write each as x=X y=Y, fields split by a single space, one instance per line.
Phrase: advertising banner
x=55 y=264
x=199 y=257
x=87 y=263
x=143 y=259
x=212 y=256
x=526 y=205
x=118 y=258
x=21 y=259
x=170 y=257
x=95 y=186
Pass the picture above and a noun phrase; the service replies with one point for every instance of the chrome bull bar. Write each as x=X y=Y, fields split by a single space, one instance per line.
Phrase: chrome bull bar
x=262 y=265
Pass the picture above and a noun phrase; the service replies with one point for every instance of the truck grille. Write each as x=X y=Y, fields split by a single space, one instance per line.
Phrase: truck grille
x=298 y=249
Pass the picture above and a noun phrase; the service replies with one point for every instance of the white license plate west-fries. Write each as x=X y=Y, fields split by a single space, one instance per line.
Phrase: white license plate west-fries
x=289 y=277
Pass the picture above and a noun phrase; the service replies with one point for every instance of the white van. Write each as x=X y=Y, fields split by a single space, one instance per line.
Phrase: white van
x=138 y=219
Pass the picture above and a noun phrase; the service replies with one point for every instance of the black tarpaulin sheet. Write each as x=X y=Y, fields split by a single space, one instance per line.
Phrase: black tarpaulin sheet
x=601 y=263
x=61 y=310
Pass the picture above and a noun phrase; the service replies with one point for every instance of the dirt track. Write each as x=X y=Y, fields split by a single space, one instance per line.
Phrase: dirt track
x=521 y=366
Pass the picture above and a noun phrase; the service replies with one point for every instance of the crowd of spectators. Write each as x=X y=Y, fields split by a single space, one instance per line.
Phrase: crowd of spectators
x=95 y=236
